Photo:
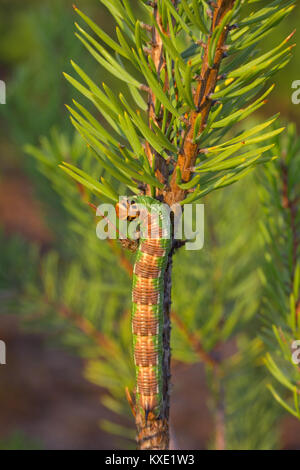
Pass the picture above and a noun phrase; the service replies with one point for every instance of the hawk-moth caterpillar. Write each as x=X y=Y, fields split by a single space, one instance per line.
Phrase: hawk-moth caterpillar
x=147 y=297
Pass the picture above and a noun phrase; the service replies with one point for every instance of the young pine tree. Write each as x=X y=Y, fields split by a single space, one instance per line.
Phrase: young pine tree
x=190 y=70
x=85 y=304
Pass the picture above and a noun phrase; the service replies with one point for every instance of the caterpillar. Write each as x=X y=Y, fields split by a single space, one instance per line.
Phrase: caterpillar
x=147 y=297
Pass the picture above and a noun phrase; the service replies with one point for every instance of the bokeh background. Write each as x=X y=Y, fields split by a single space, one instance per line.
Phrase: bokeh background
x=45 y=401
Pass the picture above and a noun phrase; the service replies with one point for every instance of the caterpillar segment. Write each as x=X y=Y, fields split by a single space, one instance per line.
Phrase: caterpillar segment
x=147 y=302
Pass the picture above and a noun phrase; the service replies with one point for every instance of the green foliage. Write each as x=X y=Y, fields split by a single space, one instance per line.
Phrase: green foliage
x=13 y=276
x=19 y=441
x=35 y=90
x=81 y=296
x=73 y=198
x=252 y=419
x=240 y=90
x=78 y=291
x=220 y=317
x=90 y=301
x=280 y=192
x=222 y=275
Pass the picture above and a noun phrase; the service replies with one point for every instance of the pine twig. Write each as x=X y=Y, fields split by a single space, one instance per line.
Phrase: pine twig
x=206 y=86
x=195 y=344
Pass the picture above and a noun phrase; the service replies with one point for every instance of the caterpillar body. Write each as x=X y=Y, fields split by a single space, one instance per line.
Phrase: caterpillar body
x=147 y=298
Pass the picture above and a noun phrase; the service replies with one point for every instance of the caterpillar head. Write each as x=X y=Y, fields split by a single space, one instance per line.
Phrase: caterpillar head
x=127 y=209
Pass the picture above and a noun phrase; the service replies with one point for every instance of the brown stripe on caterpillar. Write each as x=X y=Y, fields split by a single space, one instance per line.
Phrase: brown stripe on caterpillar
x=145 y=297
x=151 y=225
x=145 y=358
x=141 y=268
x=144 y=321
x=146 y=345
x=150 y=260
x=145 y=327
x=147 y=266
x=147 y=381
x=152 y=241
x=152 y=249
x=145 y=288
x=154 y=232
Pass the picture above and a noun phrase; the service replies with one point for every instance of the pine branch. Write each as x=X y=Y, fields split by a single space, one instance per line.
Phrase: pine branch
x=84 y=325
x=291 y=205
x=203 y=103
x=192 y=97
x=217 y=282
x=157 y=55
x=280 y=306
x=195 y=343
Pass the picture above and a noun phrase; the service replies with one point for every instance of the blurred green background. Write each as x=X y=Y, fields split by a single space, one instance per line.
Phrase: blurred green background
x=42 y=405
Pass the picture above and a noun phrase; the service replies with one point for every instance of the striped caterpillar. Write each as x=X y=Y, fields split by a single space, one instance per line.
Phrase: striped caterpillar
x=147 y=298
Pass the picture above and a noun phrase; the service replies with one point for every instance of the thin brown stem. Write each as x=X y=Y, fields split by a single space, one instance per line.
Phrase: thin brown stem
x=157 y=55
x=207 y=82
